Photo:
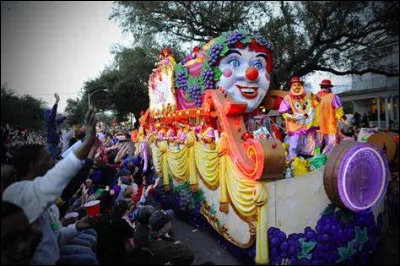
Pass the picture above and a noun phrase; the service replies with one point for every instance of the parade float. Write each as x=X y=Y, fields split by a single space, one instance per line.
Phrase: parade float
x=196 y=134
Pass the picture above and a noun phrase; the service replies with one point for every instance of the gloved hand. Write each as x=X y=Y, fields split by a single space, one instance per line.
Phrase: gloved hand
x=298 y=117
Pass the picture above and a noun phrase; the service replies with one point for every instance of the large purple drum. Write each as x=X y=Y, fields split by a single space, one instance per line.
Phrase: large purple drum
x=356 y=176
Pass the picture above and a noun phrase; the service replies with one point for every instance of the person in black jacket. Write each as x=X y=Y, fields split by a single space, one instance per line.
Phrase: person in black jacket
x=365 y=121
x=165 y=249
x=106 y=248
x=356 y=120
x=141 y=234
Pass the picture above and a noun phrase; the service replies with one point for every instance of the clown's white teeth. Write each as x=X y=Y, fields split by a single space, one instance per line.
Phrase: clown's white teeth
x=249 y=90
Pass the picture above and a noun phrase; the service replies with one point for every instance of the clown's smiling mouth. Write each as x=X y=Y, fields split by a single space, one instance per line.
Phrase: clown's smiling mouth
x=248 y=92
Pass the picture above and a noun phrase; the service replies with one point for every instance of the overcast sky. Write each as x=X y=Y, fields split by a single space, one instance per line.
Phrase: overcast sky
x=49 y=47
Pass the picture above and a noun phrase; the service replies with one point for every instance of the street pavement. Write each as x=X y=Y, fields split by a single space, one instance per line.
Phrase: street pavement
x=204 y=245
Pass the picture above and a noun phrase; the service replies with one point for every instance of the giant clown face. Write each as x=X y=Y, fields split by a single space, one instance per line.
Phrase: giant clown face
x=245 y=76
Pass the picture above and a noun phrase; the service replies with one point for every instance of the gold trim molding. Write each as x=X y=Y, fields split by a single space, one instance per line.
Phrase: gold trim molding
x=222 y=229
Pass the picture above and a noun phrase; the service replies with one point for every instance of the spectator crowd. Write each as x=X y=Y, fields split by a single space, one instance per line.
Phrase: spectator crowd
x=81 y=197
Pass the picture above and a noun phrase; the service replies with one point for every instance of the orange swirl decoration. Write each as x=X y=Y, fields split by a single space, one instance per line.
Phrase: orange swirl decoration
x=263 y=158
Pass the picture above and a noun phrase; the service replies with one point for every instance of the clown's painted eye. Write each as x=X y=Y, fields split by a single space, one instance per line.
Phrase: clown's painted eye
x=258 y=65
x=297 y=105
x=234 y=62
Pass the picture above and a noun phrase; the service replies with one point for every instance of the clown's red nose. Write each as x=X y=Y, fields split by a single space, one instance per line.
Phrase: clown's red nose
x=252 y=73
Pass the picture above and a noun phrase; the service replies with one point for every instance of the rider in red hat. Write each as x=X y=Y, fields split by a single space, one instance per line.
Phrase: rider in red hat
x=326 y=84
x=328 y=113
x=294 y=80
x=298 y=110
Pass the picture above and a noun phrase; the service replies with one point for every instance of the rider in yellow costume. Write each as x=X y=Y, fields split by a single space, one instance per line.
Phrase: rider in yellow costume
x=298 y=110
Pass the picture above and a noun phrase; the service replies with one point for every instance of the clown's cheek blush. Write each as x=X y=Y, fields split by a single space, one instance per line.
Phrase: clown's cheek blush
x=227 y=73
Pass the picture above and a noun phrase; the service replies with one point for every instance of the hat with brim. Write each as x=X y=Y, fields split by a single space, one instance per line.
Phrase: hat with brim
x=326 y=83
x=295 y=80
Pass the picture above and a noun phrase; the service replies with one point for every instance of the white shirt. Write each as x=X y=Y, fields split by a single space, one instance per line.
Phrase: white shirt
x=37 y=197
x=72 y=148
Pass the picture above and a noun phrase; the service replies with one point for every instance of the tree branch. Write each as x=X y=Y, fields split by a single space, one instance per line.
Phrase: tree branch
x=357 y=72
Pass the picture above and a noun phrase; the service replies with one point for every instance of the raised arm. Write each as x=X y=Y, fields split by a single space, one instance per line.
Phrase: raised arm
x=54 y=109
x=37 y=195
x=90 y=136
x=121 y=153
x=60 y=120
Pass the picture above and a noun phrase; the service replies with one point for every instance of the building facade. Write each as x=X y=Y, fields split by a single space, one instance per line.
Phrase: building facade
x=376 y=96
